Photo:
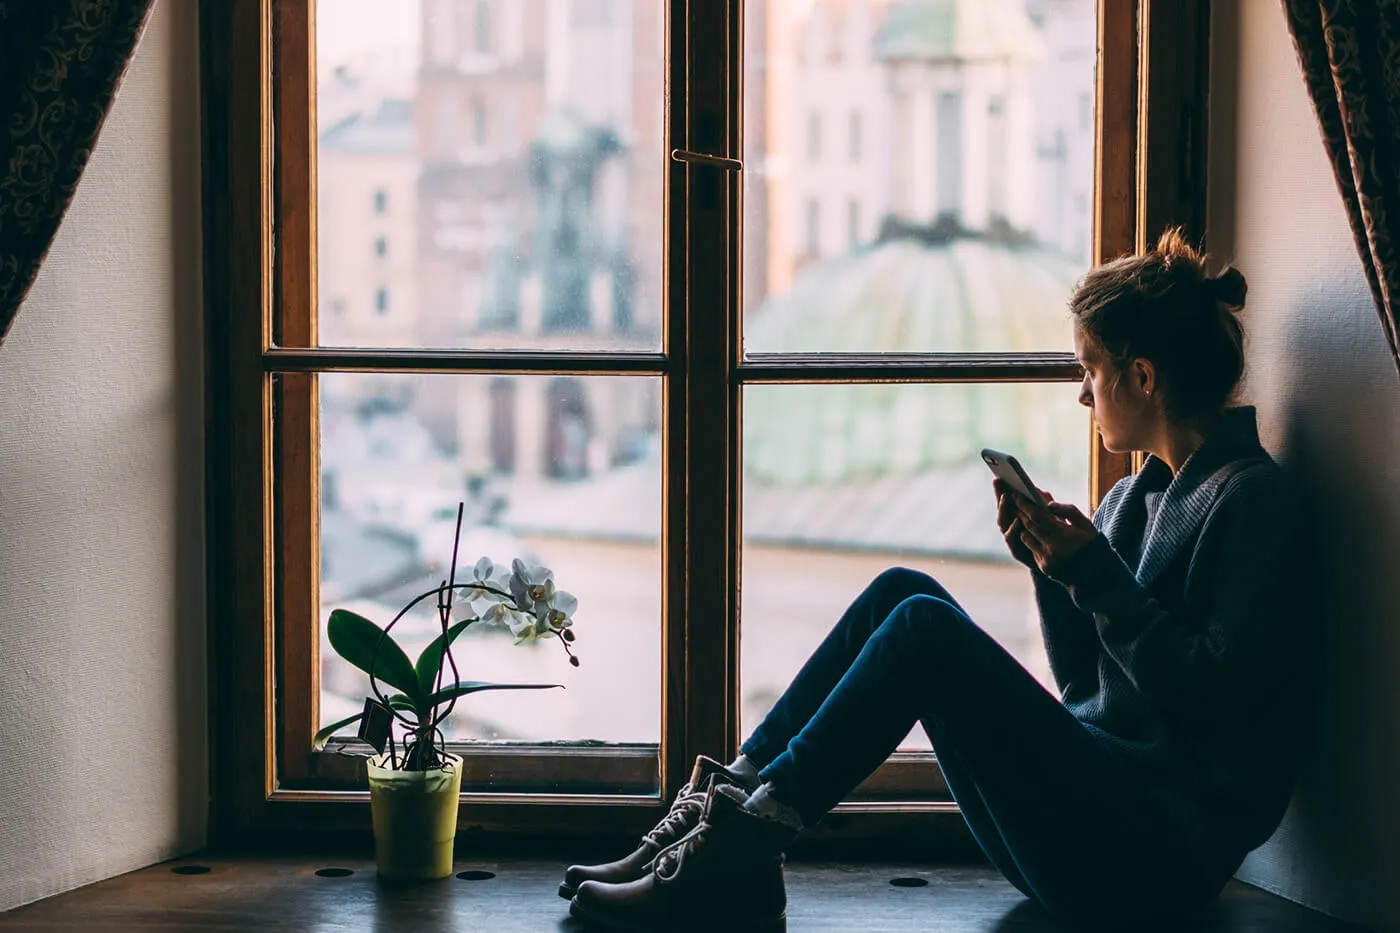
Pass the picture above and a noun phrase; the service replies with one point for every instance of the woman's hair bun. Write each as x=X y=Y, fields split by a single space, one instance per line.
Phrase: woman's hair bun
x=1229 y=287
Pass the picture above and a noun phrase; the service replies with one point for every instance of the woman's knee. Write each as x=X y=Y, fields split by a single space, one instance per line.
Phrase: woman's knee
x=927 y=621
x=899 y=583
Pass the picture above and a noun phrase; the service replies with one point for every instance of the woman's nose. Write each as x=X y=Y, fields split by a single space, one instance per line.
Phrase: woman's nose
x=1086 y=396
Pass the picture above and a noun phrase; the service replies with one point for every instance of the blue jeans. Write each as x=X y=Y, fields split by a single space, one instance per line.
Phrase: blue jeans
x=1055 y=810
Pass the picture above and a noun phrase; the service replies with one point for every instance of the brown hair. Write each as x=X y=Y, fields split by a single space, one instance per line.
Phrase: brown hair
x=1163 y=307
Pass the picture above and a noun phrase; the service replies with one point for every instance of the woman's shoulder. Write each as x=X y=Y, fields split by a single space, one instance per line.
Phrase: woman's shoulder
x=1251 y=475
x=1254 y=491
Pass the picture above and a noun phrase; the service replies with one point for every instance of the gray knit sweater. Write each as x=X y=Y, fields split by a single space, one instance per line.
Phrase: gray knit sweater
x=1176 y=636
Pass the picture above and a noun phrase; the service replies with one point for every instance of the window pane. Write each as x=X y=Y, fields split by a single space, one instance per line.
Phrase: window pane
x=513 y=152
x=844 y=481
x=970 y=163
x=565 y=471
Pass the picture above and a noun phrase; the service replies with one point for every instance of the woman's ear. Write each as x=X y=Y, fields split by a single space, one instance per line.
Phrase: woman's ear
x=1144 y=376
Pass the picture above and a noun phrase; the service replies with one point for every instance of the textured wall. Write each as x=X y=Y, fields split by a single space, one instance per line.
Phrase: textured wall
x=1329 y=401
x=102 y=665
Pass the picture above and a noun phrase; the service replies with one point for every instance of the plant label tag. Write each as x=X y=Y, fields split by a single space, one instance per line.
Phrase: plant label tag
x=374 y=727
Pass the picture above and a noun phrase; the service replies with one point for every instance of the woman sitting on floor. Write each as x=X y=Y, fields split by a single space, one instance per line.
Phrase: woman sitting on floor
x=1173 y=622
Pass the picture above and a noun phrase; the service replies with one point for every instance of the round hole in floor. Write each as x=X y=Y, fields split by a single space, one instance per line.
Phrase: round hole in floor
x=190 y=869
x=909 y=882
x=334 y=872
x=476 y=875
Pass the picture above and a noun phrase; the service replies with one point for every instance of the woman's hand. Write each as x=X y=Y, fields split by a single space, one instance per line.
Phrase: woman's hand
x=1051 y=535
x=1008 y=520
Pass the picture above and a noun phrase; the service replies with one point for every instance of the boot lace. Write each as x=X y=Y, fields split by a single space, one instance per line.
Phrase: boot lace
x=667 y=865
x=689 y=806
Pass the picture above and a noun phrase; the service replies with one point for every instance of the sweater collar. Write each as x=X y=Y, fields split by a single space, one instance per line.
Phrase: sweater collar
x=1190 y=493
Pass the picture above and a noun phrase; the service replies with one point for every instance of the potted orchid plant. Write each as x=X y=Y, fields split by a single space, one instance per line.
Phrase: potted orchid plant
x=414 y=782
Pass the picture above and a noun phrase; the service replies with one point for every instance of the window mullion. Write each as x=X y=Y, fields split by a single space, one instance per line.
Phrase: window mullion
x=705 y=119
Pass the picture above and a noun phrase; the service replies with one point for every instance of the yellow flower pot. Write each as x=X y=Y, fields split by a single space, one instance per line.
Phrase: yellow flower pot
x=415 y=819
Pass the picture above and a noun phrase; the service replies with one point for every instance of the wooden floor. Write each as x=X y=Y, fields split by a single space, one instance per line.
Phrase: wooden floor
x=287 y=893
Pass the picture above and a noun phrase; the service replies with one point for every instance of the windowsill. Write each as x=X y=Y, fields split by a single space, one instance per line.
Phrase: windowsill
x=283 y=891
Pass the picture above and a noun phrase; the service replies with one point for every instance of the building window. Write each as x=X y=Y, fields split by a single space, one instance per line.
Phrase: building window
x=997 y=169
x=381 y=201
x=483 y=26
x=814 y=136
x=381 y=301
x=814 y=227
x=503 y=418
x=948 y=130
x=1086 y=112
x=440 y=18
x=479 y=123
x=853 y=223
x=855 y=136
x=445 y=126
x=568 y=429
x=381 y=247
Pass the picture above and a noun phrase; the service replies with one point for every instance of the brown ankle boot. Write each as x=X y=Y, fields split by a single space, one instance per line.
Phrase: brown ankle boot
x=685 y=813
x=725 y=874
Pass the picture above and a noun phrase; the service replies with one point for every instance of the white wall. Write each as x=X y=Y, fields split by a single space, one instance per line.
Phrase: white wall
x=1329 y=401
x=102 y=670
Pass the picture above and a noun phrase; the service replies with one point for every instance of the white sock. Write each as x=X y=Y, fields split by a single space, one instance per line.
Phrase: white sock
x=764 y=803
x=745 y=770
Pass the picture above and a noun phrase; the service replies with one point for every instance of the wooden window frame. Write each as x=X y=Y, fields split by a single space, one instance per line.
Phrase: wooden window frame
x=262 y=410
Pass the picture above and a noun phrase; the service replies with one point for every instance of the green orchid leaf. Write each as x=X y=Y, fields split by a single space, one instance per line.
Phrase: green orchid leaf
x=402 y=701
x=356 y=638
x=319 y=742
x=476 y=686
x=431 y=658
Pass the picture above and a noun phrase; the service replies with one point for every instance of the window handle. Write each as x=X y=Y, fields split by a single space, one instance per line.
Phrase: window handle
x=704 y=158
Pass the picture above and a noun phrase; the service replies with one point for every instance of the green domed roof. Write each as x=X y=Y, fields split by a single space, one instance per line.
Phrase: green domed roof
x=902 y=297
x=957 y=30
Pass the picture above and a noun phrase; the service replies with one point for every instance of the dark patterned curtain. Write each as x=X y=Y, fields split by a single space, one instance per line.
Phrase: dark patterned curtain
x=1350 y=53
x=60 y=61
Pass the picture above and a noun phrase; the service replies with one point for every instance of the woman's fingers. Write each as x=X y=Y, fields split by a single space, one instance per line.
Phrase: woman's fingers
x=1006 y=512
x=1033 y=539
x=1073 y=517
x=1040 y=520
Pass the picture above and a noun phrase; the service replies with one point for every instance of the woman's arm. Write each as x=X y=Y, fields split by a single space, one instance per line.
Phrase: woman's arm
x=1255 y=610
x=1071 y=641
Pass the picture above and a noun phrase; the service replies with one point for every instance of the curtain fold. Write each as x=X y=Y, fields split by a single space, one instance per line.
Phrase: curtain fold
x=60 y=63
x=1350 y=55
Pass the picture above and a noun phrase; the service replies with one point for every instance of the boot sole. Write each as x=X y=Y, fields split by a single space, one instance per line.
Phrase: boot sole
x=602 y=920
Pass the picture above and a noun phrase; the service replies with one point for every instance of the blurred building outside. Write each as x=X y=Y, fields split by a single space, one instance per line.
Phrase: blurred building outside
x=918 y=178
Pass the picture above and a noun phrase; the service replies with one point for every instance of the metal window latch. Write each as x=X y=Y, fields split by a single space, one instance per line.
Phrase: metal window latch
x=704 y=158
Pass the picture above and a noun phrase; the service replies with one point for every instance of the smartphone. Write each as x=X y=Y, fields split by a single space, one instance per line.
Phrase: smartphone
x=1009 y=469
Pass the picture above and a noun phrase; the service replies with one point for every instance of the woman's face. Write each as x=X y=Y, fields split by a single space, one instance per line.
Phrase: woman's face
x=1121 y=403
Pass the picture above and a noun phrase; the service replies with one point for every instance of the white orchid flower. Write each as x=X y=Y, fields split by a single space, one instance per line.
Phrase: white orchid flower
x=530 y=584
x=558 y=615
x=477 y=599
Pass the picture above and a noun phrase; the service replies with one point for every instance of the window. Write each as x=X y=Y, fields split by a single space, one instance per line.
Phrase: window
x=440 y=32
x=998 y=143
x=948 y=131
x=852 y=223
x=381 y=247
x=855 y=136
x=381 y=301
x=814 y=227
x=807 y=410
x=479 y=123
x=814 y=136
x=483 y=26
